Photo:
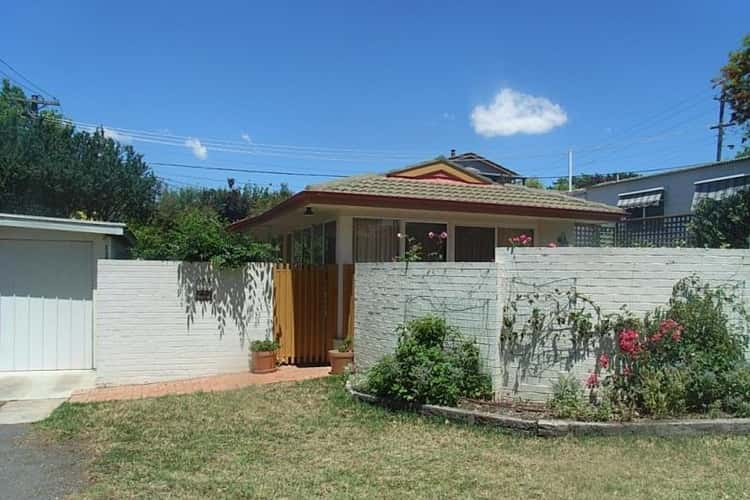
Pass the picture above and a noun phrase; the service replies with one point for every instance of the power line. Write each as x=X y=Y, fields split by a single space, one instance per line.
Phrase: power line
x=34 y=85
x=247 y=171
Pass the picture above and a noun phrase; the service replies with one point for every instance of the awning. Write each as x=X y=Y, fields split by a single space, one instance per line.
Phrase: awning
x=719 y=188
x=640 y=199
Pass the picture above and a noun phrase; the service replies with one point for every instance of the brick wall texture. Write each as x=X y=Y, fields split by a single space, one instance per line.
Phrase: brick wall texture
x=150 y=327
x=475 y=298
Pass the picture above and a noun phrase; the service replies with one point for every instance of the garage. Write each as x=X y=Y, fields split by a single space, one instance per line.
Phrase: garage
x=47 y=283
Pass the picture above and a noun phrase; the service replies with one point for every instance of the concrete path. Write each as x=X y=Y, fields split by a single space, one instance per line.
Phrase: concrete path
x=53 y=384
x=204 y=384
x=27 y=411
x=33 y=470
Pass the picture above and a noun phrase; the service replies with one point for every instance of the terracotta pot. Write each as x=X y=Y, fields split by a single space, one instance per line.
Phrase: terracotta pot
x=339 y=360
x=264 y=362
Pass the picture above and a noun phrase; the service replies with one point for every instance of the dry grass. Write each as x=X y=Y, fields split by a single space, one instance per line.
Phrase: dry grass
x=299 y=440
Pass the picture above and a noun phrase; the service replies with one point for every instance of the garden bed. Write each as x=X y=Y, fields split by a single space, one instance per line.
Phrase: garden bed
x=547 y=427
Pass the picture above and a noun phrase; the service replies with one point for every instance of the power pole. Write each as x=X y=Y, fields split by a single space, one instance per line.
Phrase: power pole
x=570 y=170
x=720 y=127
x=36 y=103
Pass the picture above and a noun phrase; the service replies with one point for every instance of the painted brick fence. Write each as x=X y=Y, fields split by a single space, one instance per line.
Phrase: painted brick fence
x=475 y=298
x=151 y=324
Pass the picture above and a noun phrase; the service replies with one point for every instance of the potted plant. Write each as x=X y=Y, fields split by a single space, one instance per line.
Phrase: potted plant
x=342 y=357
x=264 y=355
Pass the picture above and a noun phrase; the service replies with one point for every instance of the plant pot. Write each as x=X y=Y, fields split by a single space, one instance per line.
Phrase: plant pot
x=339 y=360
x=264 y=362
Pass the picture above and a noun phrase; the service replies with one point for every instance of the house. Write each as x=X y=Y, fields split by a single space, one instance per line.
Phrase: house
x=47 y=282
x=466 y=199
x=674 y=192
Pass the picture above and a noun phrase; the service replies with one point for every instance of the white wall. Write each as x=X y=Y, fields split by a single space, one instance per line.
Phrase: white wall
x=641 y=278
x=474 y=298
x=389 y=294
x=150 y=328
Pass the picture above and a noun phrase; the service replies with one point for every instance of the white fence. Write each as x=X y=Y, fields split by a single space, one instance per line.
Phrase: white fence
x=474 y=297
x=158 y=320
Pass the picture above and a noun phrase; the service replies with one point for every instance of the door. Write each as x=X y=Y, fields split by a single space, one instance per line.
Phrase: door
x=46 y=316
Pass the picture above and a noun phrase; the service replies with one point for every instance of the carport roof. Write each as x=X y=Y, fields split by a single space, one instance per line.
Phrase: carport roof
x=58 y=224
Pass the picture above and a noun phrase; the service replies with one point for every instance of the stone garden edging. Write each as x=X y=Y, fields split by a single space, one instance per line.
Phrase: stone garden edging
x=557 y=428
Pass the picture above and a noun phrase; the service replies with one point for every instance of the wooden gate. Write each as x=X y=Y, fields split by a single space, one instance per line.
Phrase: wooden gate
x=306 y=303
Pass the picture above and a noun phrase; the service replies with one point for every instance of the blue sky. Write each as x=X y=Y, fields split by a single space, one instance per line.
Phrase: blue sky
x=348 y=87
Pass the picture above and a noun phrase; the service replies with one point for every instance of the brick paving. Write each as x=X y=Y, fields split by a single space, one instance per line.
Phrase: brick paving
x=204 y=384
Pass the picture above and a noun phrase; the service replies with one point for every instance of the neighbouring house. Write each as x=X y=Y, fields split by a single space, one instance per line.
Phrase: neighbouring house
x=467 y=197
x=672 y=193
x=47 y=281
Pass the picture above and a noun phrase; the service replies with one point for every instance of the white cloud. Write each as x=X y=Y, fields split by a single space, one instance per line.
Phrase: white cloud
x=246 y=137
x=117 y=136
x=512 y=112
x=199 y=150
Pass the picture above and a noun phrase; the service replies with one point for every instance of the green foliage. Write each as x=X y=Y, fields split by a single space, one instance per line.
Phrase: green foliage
x=49 y=168
x=347 y=344
x=432 y=364
x=723 y=223
x=567 y=398
x=534 y=182
x=230 y=203
x=663 y=391
x=197 y=235
x=735 y=86
x=581 y=181
x=266 y=345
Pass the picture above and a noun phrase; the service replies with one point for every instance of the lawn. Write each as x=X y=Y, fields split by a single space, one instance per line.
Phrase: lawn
x=299 y=440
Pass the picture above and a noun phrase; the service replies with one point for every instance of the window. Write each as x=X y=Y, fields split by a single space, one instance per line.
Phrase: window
x=329 y=248
x=505 y=234
x=433 y=248
x=719 y=188
x=375 y=240
x=474 y=244
x=643 y=203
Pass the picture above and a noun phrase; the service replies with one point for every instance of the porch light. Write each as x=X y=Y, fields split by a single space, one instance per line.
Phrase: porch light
x=308 y=211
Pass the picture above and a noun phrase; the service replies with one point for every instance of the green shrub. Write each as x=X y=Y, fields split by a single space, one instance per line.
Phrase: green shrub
x=263 y=345
x=568 y=398
x=432 y=364
x=662 y=391
x=737 y=394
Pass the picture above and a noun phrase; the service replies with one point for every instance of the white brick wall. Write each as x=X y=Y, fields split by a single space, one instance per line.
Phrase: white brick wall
x=149 y=327
x=388 y=294
x=641 y=278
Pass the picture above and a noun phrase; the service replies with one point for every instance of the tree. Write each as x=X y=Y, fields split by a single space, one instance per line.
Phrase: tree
x=581 y=181
x=533 y=182
x=735 y=88
x=49 y=168
x=723 y=223
x=198 y=235
x=230 y=203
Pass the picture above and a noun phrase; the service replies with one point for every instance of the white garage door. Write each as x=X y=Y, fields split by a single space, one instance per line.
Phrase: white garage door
x=45 y=305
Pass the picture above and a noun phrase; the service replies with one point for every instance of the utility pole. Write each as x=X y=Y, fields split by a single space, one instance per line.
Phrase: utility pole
x=570 y=170
x=36 y=103
x=720 y=127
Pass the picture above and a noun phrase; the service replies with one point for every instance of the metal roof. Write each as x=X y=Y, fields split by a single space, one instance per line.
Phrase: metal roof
x=59 y=224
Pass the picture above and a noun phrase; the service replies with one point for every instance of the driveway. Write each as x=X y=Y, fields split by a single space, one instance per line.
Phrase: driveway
x=30 y=469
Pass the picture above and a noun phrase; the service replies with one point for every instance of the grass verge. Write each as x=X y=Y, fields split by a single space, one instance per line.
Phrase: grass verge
x=307 y=439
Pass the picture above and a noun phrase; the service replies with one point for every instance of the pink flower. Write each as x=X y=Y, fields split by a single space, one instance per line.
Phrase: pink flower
x=431 y=235
x=443 y=235
x=677 y=335
x=604 y=361
x=656 y=337
x=671 y=327
x=626 y=371
x=552 y=245
x=515 y=239
x=628 y=342
x=592 y=380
